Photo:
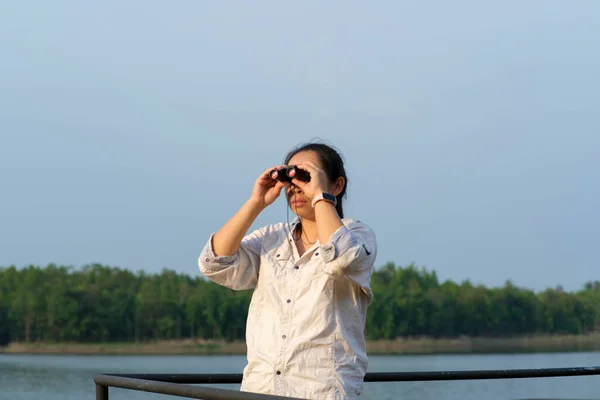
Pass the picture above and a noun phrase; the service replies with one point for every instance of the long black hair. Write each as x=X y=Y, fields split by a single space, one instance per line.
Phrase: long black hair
x=333 y=165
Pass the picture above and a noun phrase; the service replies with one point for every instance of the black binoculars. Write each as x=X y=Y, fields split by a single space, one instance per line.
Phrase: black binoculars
x=286 y=174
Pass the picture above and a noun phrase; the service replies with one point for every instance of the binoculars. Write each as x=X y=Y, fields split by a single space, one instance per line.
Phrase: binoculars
x=286 y=174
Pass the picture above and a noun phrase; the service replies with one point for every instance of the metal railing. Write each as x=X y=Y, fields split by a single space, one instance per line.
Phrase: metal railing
x=180 y=384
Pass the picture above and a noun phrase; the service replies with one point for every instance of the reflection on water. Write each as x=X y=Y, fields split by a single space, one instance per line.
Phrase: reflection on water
x=71 y=377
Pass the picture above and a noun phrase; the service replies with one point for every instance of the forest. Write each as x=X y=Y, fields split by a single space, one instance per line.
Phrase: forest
x=98 y=303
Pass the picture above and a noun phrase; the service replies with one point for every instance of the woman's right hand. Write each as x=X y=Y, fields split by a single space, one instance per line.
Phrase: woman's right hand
x=266 y=189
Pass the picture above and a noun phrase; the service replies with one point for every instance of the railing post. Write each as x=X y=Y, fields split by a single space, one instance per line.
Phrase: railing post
x=101 y=392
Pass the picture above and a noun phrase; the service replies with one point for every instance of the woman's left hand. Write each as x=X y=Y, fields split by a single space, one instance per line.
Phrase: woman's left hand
x=318 y=181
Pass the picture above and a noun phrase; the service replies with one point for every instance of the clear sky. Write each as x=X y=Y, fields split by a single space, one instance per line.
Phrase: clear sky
x=129 y=131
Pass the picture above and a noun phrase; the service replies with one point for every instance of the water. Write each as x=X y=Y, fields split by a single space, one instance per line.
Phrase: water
x=29 y=377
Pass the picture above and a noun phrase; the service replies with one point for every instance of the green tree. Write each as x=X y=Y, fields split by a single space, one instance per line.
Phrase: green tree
x=100 y=303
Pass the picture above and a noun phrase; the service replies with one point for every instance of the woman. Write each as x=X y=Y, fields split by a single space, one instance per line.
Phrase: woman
x=306 y=321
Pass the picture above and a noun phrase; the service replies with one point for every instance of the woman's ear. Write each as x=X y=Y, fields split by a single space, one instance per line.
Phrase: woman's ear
x=338 y=186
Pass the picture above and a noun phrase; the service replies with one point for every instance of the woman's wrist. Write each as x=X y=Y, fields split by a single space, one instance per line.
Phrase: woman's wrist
x=323 y=197
x=257 y=206
x=328 y=220
x=317 y=192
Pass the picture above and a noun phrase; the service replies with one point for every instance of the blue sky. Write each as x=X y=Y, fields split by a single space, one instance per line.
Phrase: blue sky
x=130 y=132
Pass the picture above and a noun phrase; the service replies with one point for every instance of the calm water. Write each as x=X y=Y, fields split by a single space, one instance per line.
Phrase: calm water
x=71 y=377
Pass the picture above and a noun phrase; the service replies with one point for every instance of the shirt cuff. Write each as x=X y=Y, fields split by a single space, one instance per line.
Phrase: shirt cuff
x=339 y=243
x=210 y=261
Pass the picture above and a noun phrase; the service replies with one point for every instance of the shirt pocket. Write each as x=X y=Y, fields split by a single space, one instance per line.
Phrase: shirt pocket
x=315 y=267
x=275 y=259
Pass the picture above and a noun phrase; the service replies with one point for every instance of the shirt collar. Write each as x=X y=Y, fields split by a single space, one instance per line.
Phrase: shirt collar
x=295 y=222
x=292 y=225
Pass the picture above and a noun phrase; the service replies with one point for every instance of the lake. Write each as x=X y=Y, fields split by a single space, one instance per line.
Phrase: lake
x=33 y=377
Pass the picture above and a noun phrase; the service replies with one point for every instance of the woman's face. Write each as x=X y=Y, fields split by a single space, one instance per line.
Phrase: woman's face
x=297 y=200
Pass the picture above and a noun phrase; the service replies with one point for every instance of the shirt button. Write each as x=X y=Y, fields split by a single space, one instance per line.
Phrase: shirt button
x=283 y=337
x=297 y=267
x=316 y=254
x=277 y=255
x=289 y=301
x=278 y=372
x=208 y=259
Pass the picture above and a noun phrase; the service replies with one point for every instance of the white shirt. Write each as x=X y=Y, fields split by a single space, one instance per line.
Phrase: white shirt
x=305 y=329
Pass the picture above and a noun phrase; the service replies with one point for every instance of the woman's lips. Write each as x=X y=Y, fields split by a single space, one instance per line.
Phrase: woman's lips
x=298 y=203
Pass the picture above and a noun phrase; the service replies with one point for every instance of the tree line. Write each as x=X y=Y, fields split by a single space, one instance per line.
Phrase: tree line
x=98 y=303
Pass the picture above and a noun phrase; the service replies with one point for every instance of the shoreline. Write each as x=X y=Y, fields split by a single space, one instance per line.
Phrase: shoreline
x=403 y=346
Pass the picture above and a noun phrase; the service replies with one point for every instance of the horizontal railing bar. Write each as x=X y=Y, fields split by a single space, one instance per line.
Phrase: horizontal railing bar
x=187 y=378
x=483 y=374
x=173 y=389
x=389 y=376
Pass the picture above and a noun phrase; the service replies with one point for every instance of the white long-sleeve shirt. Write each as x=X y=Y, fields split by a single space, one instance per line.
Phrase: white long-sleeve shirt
x=306 y=321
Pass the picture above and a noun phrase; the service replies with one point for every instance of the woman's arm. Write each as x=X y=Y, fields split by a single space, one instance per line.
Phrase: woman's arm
x=266 y=190
x=230 y=258
x=350 y=253
x=226 y=241
x=327 y=219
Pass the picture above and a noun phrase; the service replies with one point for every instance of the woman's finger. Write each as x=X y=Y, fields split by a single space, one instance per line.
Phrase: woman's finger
x=277 y=187
x=299 y=183
x=281 y=185
x=308 y=167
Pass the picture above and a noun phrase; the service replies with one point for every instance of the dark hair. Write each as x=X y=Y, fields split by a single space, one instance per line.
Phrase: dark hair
x=332 y=162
